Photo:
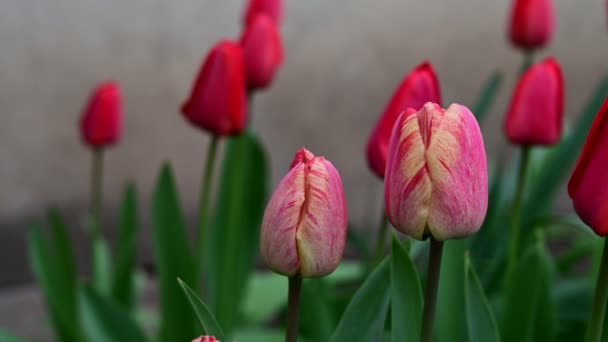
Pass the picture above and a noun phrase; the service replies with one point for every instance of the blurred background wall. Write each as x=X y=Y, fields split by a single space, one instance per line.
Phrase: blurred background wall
x=343 y=60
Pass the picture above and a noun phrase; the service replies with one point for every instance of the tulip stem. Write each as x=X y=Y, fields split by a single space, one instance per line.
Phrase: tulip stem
x=594 y=330
x=380 y=239
x=430 y=294
x=96 y=193
x=516 y=211
x=527 y=62
x=293 y=308
x=205 y=192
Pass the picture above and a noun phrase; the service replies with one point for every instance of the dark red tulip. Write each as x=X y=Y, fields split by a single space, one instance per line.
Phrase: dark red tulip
x=101 y=121
x=218 y=101
x=532 y=23
x=262 y=50
x=588 y=186
x=272 y=8
x=417 y=88
x=537 y=106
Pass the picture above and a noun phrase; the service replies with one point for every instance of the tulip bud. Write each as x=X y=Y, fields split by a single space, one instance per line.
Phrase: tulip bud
x=532 y=23
x=417 y=88
x=101 y=121
x=304 y=225
x=205 y=339
x=218 y=100
x=262 y=50
x=436 y=174
x=588 y=186
x=537 y=106
x=272 y=8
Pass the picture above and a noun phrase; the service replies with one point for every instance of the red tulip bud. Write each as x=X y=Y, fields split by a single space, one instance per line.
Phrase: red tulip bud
x=532 y=23
x=537 y=106
x=588 y=186
x=205 y=339
x=272 y=8
x=417 y=88
x=218 y=100
x=304 y=225
x=101 y=121
x=262 y=50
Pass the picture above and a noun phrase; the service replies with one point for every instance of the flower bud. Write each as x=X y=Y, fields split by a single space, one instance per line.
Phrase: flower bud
x=262 y=50
x=537 y=106
x=436 y=174
x=218 y=100
x=101 y=121
x=304 y=225
x=417 y=88
x=588 y=186
x=205 y=339
x=532 y=23
x=272 y=8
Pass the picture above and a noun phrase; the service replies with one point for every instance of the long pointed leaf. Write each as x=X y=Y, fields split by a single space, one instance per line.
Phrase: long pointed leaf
x=5 y=336
x=406 y=296
x=488 y=94
x=205 y=317
x=450 y=299
x=481 y=323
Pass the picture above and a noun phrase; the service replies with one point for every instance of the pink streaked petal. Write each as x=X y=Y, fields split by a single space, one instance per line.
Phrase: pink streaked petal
x=278 y=234
x=457 y=166
x=321 y=234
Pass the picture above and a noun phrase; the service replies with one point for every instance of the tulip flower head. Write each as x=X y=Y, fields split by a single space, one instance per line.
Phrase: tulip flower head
x=532 y=23
x=535 y=114
x=418 y=87
x=588 y=186
x=436 y=174
x=271 y=8
x=205 y=339
x=262 y=50
x=218 y=99
x=101 y=120
x=304 y=225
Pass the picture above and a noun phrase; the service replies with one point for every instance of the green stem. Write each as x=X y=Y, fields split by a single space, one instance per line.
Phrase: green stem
x=293 y=308
x=430 y=294
x=516 y=211
x=205 y=192
x=380 y=239
x=96 y=193
x=594 y=330
x=527 y=62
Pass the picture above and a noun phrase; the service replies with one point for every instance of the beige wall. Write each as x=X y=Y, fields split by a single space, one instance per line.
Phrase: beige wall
x=343 y=59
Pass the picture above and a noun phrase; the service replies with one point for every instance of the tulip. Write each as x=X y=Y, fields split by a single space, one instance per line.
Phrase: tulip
x=588 y=186
x=532 y=23
x=205 y=339
x=417 y=88
x=436 y=174
x=536 y=110
x=272 y=8
x=218 y=100
x=262 y=51
x=304 y=225
x=101 y=120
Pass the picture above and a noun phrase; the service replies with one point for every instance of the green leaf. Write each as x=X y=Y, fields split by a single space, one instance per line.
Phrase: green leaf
x=317 y=321
x=488 y=94
x=573 y=298
x=363 y=319
x=234 y=235
x=122 y=279
x=406 y=296
x=259 y=335
x=103 y=266
x=205 y=317
x=529 y=312
x=173 y=258
x=104 y=321
x=54 y=286
x=481 y=323
x=266 y=295
x=62 y=246
x=450 y=297
x=558 y=163
x=5 y=336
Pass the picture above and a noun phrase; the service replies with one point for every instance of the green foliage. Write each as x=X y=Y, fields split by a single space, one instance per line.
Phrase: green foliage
x=481 y=324
x=5 y=336
x=205 y=317
x=488 y=94
x=451 y=325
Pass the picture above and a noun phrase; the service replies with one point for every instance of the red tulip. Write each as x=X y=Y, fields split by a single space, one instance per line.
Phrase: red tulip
x=218 y=100
x=272 y=8
x=101 y=121
x=304 y=224
x=588 y=186
x=417 y=88
x=537 y=106
x=205 y=339
x=532 y=23
x=262 y=50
